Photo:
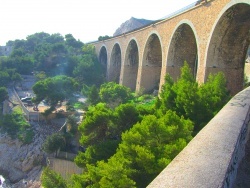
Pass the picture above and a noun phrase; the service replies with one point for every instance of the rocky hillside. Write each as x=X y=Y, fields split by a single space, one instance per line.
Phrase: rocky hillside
x=21 y=164
x=131 y=24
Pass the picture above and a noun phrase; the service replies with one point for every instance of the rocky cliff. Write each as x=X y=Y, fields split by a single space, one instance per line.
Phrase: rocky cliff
x=131 y=24
x=21 y=164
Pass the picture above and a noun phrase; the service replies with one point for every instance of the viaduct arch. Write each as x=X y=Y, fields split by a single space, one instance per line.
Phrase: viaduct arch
x=131 y=64
x=211 y=35
x=103 y=59
x=228 y=44
x=183 y=47
x=151 y=64
x=114 y=68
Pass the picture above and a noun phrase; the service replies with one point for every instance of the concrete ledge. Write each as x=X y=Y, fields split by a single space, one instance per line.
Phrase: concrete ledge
x=211 y=159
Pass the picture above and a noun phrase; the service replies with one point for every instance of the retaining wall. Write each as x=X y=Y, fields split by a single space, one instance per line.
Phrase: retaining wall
x=64 y=167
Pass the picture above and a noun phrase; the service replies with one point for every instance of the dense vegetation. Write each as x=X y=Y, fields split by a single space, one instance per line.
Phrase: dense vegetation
x=51 y=179
x=187 y=99
x=61 y=140
x=128 y=146
x=128 y=142
x=100 y=38
x=127 y=139
x=53 y=55
x=3 y=94
x=63 y=65
x=16 y=126
x=54 y=89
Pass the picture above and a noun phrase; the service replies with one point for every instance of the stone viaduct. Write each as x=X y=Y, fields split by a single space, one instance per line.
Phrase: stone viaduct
x=211 y=35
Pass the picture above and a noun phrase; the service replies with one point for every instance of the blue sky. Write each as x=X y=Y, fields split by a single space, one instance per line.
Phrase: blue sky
x=86 y=20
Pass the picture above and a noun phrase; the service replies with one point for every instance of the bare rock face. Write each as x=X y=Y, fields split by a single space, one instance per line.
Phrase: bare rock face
x=8 y=148
x=131 y=24
x=21 y=163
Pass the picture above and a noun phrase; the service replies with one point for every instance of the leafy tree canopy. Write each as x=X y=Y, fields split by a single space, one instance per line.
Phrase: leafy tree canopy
x=55 y=55
x=3 y=94
x=14 y=125
x=51 y=179
x=187 y=99
x=8 y=75
x=53 y=143
x=101 y=131
x=100 y=38
x=148 y=143
x=89 y=70
x=97 y=124
x=71 y=41
x=144 y=151
x=114 y=93
x=54 y=89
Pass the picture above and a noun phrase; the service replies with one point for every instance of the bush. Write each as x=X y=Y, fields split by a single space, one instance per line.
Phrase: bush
x=114 y=93
x=51 y=179
x=26 y=137
x=16 y=126
x=53 y=143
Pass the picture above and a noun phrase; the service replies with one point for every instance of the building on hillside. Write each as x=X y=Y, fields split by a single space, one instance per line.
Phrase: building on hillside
x=5 y=50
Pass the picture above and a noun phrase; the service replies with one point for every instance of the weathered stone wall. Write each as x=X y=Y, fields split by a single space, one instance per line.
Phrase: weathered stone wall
x=212 y=157
x=64 y=167
x=202 y=19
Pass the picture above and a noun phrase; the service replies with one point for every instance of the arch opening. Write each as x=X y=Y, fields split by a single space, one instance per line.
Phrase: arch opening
x=131 y=65
x=103 y=59
x=247 y=67
x=115 y=64
x=151 y=65
x=183 y=47
x=228 y=46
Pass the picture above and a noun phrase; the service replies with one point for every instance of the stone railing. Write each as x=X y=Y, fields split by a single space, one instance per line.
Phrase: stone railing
x=212 y=157
x=25 y=110
x=30 y=116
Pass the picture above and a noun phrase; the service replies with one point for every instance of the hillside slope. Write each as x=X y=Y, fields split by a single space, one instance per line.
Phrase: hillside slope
x=131 y=24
